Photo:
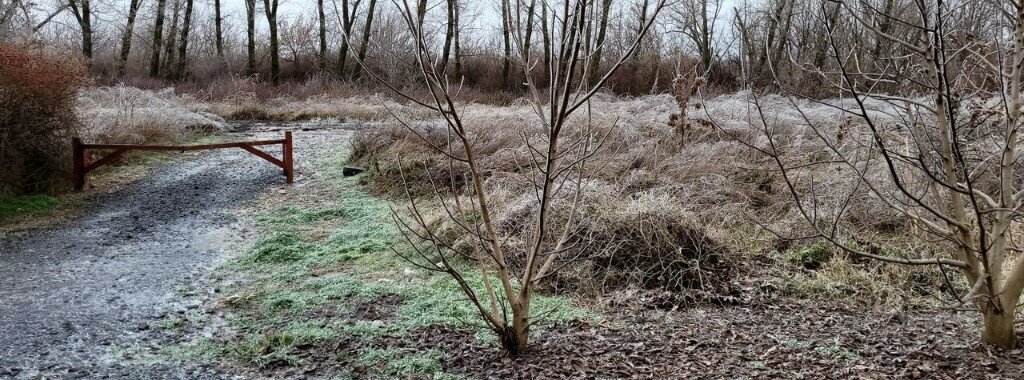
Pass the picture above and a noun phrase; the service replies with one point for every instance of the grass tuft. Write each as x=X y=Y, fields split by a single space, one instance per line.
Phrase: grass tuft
x=11 y=206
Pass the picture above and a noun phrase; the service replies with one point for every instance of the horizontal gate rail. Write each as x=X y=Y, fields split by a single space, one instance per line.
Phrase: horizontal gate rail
x=81 y=165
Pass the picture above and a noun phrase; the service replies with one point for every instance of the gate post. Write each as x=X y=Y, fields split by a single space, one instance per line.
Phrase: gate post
x=77 y=164
x=289 y=168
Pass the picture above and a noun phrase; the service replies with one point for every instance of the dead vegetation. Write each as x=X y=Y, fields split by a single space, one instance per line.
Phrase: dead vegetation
x=37 y=116
x=656 y=217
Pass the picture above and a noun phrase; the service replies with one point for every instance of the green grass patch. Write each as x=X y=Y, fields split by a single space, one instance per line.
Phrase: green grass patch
x=11 y=206
x=325 y=275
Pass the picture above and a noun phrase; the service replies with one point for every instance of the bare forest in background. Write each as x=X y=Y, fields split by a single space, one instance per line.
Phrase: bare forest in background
x=203 y=46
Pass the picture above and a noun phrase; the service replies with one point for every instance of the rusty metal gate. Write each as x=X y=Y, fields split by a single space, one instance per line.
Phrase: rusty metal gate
x=82 y=166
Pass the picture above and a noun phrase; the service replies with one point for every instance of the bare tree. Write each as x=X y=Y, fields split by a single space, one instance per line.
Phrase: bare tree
x=942 y=149
x=270 y=9
x=349 y=10
x=506 y=35
x=560 y=152
x=158 y=30
x=322 y=34
x=250 y=35
x=602 y=31
x=218 y=20
x=697 y=20
x=8 y=16
x=457 y=36
x=83 y=14
x=126 y=38
x=365 y=43
x=172 y=39
x=186 y=26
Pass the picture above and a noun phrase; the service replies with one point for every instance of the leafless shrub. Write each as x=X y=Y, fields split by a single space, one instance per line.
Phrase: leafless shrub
x=37 y=118
x=932 y=136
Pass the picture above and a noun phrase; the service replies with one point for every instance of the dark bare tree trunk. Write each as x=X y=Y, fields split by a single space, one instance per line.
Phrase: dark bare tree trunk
x=270 y=9
x=822 y=51
x=546 y=42
x=449 y=35
x=642 y=11
x=83 y=14
x=885 y=27
x=322 y=32
x=506 y=62
x=172 y=40
x=250 y=34
x=217 y=20
x=126 y=38
x=186 y=25
x=528 y=38
x=348 y=20
x=421 y=13
x=602 y=32
x=367 y=29
x=158 y=27
x=457 y=37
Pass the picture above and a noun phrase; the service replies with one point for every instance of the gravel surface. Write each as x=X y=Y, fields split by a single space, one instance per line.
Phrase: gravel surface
x=70 y=292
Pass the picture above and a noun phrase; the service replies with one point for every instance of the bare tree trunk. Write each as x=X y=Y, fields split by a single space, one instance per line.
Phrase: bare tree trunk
x=642 y=12
x=217 y=20
x=458 y=37
x=546 y=36
x=322 y=18
x=421 y=13
x=506 y=62
x=250 y=33
x=602 y=31
x=998 y=328
x=449 y=35
x=367 y=29
x=126 y=38
x=186 y=25
x=83 y=14
x=884 y=27
x=172 y=36
x=348 y=20
x=270 y=9
x=783 y=32
x=158 y=27
x=528 y=37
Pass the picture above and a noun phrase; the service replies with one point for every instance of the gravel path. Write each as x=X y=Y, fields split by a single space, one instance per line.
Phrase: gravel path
x=70 y=292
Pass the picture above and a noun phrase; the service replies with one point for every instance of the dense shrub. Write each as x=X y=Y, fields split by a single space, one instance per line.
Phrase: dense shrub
x=37 y=116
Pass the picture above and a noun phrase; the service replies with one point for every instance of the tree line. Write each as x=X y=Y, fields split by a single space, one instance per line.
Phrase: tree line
x=732 y=44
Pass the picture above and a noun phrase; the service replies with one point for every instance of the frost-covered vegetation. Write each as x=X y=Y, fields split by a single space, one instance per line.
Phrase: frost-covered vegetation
x=658 y=216
x=128 y=115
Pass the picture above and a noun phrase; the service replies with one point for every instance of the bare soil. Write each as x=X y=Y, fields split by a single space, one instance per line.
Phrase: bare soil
x=789 y=341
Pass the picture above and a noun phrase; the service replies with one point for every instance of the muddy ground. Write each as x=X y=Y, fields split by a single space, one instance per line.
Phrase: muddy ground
x=72 y=291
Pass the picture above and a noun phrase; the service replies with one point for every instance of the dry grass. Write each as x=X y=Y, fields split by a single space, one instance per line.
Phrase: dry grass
x=129 y=115
x=650 y=203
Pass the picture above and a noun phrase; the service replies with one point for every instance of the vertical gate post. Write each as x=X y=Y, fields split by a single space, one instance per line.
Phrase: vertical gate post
x=289 y=168
x=77 y=163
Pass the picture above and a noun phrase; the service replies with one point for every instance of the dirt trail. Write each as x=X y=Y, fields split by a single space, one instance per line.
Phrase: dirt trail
x=70 y=292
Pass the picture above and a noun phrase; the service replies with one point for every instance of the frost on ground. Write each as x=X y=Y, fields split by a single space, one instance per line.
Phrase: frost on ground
x=122 y=114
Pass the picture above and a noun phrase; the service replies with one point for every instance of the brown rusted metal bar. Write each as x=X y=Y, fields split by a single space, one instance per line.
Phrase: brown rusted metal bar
x=77 y=164
x=263 y=155
x=286 y=152
x=80 y=165
x=105 y=160
x=182 y=148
